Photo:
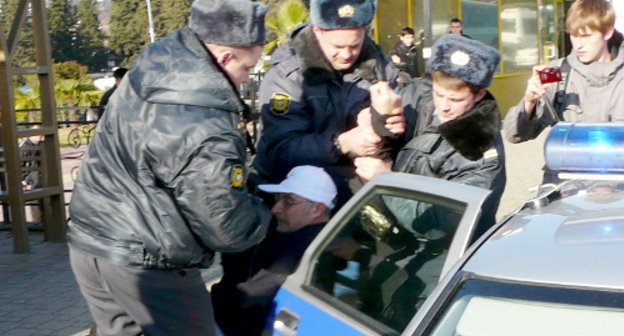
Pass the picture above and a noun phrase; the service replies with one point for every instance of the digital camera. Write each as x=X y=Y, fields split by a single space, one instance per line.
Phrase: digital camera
x=550 y=75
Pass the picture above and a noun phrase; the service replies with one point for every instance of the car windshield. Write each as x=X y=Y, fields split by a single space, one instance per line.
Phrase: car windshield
x=488 y=307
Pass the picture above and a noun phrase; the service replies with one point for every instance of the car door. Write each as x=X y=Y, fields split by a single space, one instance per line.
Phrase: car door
x=378 y=258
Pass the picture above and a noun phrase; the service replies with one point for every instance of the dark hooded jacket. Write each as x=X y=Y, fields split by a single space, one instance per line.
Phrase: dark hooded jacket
x=467 y=150
x=322 y=103
x=163 y=182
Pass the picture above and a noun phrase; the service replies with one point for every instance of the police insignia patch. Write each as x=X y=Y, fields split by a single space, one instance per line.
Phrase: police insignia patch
x=237 y=178
x=279 y=103
x=346 y=11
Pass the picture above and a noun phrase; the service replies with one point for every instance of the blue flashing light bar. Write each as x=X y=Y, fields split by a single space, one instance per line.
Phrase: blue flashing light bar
x=586 y=147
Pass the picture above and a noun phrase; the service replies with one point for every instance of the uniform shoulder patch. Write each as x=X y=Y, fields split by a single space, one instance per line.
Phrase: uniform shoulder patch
x=280 y=103
x=237 y=177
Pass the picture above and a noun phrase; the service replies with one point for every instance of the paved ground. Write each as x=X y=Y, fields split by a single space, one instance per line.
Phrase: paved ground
x=38 y=294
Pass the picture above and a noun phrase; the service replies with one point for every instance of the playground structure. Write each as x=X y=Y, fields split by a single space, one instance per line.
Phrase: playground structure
x=50 y=192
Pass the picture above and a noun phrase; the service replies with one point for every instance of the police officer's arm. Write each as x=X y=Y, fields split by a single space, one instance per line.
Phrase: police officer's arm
x=288 y=125
x=210 y=193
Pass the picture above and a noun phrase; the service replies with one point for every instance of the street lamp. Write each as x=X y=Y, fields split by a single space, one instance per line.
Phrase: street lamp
x=150 y=22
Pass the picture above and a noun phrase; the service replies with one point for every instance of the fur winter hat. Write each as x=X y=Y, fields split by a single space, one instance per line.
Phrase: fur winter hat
x=472 y=61
x=236 y=23
x=342 y=14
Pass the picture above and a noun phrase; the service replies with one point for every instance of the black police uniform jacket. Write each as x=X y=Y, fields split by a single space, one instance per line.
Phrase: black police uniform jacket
x=305 y=104
x=163 y=182
x=467 y=150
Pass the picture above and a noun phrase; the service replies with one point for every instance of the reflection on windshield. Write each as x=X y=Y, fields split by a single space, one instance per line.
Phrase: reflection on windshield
x=484 y=307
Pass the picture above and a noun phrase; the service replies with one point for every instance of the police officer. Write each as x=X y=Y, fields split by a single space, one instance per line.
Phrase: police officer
x=314 y=90
x=162 y=186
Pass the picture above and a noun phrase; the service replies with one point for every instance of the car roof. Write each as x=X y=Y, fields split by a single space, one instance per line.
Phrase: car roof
x=574 y=241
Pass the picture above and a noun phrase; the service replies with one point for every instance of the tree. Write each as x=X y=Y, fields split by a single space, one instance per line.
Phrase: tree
x=281 y=23
x=63 y=38
x=129 y=33
x=170 y=15
x=90 y=37
x=24 y=53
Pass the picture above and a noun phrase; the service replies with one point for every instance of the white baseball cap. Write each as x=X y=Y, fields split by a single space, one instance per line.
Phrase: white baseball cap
x=309 y=182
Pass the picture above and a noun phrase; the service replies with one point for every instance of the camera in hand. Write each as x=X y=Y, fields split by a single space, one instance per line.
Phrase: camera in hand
x=550 y=75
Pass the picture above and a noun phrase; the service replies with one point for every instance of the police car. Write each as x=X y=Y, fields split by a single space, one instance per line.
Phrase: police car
x=397 y=258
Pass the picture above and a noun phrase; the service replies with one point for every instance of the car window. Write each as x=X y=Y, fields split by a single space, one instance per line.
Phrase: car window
x=507 y=306
x=387 y=255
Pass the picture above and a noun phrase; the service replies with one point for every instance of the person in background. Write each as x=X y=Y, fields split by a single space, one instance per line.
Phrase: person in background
x=405 y=54
x=243 y=297
x=592 y=85
x=317 y=85
x=118 y=74
x=162 y=186
x=456 y=26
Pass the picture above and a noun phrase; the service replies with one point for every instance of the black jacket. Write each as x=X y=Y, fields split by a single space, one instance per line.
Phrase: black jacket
x=242 y=299
x=163 y=182
x=467 y=150
x=409 y=58
x=322 y=103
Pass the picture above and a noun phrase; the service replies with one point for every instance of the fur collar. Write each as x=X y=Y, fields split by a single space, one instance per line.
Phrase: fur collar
x=317 y=70
x=473 y=134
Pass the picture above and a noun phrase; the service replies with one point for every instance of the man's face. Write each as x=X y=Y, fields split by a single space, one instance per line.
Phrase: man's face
x=408 y=40
x=292 y=212
x=341 y=47
x=241 y=62
x=591 y=45
x=456 y=28
x=452 y=104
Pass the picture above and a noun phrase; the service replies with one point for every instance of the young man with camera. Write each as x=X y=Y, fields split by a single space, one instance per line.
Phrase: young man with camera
x=590 y=87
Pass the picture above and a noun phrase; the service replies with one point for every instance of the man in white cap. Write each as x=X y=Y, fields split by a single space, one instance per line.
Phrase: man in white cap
x=162 y=186
x=243 y=297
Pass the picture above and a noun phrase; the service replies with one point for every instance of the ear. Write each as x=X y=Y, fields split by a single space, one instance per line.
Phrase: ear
x=318 y=210
x=481 y=94
x=609 y=33
x=224 y=57
x=317 y=31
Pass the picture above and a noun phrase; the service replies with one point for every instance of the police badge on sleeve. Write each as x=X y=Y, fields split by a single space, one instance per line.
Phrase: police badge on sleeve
x=237 y=177
x=279 y=103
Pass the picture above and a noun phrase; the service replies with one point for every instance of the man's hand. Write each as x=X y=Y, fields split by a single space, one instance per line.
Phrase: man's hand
x=534 y=91
x=359 y=141
x=396 y=122
x=384 y=99
x=344 y=248
x=369 y=167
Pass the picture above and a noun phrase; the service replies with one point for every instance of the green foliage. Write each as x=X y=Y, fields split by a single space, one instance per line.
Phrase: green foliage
x=74 y=92
x=72 y=87
x=90 y=38
x=129 y=34
x=63 y=37
x=170 y=15
x=24 y=50
x=70 y=70
x=281 y=23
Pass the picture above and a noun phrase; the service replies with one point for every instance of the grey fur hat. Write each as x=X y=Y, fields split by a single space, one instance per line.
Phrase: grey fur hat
x=236 y=23
x=472 y=61
x=342 y=14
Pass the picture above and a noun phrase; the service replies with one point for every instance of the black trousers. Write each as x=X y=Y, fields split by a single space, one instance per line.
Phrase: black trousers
x=134 y=301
